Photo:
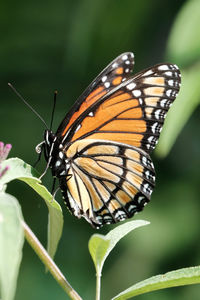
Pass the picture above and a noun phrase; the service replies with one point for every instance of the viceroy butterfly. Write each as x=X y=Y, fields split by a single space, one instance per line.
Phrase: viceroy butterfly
x=100 y=152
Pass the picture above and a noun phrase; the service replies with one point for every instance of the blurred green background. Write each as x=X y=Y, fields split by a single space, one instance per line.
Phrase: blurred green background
x=63 y=45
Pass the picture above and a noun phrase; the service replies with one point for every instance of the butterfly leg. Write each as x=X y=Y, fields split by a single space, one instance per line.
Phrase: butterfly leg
x=53 y=191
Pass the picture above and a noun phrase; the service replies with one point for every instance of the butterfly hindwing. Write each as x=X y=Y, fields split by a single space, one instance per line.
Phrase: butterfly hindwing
x=110 y=181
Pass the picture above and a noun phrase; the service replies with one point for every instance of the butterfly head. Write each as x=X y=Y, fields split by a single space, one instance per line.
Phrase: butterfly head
x=54 y=155
x=49 y=142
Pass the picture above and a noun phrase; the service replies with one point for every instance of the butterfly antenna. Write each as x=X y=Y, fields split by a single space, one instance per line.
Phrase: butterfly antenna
x=27 y=104
x=53 y=110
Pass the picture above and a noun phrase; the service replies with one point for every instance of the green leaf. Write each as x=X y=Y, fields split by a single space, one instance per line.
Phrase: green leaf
x=184 y=42
x=100 y=246
x=179 y=277
x=11 y=243
x=181 y=110
x=18 y=169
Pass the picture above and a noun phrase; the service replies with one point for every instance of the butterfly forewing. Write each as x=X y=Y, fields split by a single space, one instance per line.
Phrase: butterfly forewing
x=134 y=111
x=114 y=74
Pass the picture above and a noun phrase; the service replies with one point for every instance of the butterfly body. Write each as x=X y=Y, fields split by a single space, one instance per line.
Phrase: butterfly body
x=100 y=152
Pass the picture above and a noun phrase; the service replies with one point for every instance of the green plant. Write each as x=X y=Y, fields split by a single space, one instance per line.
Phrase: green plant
x=13 y=229
x=183 y=49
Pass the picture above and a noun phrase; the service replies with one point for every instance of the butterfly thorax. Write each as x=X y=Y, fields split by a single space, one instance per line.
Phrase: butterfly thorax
x=54 y=155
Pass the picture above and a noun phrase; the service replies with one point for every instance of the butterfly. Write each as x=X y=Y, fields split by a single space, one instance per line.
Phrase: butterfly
x=100 y=151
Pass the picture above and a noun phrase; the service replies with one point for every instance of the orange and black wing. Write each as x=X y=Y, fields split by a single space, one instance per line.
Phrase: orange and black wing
x=107 y=138
x=108 y=182
x=113 y=75
x=132 y=112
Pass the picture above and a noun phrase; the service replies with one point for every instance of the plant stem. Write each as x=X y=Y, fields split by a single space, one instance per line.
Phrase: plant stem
x=98 y=285
x=49 y=263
